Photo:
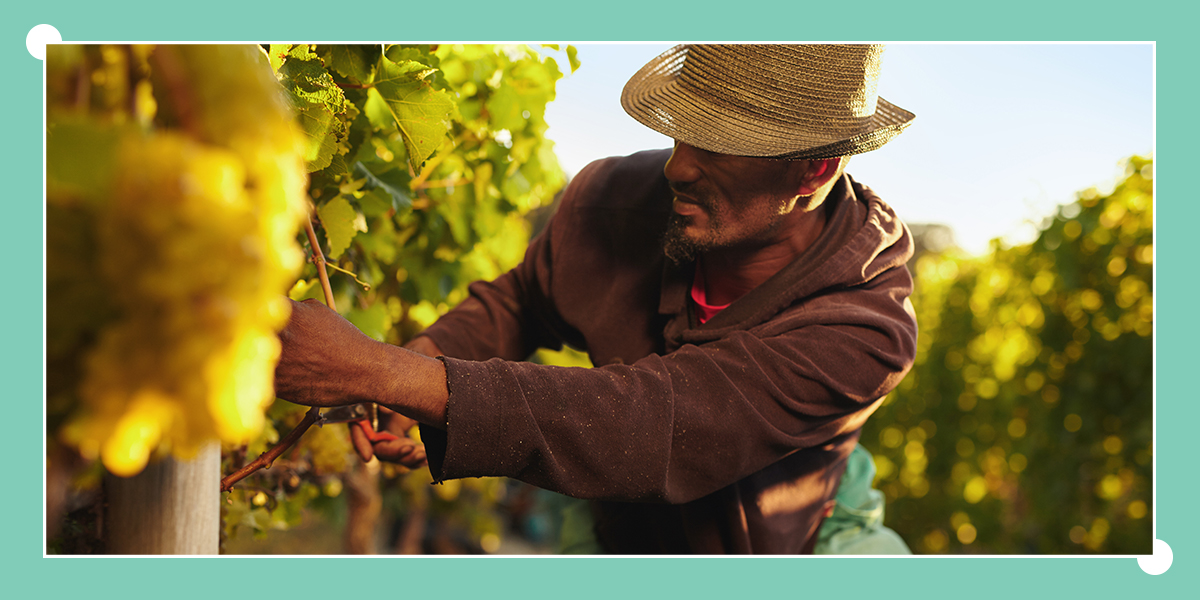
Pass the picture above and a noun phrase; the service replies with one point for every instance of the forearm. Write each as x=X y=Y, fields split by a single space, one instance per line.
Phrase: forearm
x=409 y=383
x=326 y=361
x=422 y=344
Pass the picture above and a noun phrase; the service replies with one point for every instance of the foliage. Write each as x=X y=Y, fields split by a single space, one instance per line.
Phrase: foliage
x=1025 y=425
x=175 y=191
x=423 y=163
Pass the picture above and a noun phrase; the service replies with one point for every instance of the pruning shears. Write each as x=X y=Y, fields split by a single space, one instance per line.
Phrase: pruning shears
x=363 y=415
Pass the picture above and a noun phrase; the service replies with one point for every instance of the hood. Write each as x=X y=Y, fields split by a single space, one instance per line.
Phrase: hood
x=863 y=239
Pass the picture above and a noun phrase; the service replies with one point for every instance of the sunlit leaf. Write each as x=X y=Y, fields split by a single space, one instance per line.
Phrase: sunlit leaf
x=421 y=112
x=354 y=62
x=573 y=57
x=341 y=223
x=373 y=320
x=318 y=101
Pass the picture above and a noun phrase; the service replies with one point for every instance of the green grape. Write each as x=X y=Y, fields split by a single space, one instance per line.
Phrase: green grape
x=331 y=449
x=194 y=246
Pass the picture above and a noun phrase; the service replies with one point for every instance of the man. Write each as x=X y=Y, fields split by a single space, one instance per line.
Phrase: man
x=745 y=302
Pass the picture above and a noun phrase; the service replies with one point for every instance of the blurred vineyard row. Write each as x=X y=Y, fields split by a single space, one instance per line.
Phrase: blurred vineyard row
x=1025 y=425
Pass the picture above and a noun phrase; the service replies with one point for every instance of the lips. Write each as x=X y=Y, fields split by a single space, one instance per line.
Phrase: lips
x=686 y=206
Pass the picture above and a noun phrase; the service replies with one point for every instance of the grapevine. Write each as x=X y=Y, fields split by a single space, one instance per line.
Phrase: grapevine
x=419 y=163
x=412 y=205
x=193 y=228
x=1032 y=389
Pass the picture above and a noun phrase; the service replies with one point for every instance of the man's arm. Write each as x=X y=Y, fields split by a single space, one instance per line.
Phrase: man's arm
x=670 y=428
x=403 y=450
x=327 y=361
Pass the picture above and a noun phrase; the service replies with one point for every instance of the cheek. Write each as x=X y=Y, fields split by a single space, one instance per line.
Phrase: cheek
x=786 y=205
x=754 y=207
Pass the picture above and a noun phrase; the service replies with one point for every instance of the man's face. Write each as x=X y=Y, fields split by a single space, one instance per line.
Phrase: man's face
x=727 y=202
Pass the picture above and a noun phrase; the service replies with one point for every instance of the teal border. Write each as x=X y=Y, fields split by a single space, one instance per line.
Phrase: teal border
x=20 y=327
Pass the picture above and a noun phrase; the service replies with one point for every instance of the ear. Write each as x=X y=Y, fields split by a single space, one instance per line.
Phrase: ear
x=820 y=172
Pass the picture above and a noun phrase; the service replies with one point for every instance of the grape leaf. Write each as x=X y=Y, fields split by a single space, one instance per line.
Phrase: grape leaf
x=420 y=53
x=318 y=101
x=505 y=109
x=381 y=242
x=354 y=62
x=341 y=223
x=378 y=113
x=373 y=321
x=304 y=75
x=276 y=55
x=375 y=203
x=320 y=137
x=512 y=106
x=393 y=188
x=421 y=112
x=573 y=57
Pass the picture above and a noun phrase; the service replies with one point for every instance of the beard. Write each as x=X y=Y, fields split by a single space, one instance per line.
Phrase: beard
x=677 y=246
x=680 y=248
x=750 y=226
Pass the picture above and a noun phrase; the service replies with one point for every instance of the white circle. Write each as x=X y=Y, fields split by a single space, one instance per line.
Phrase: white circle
x=38 y=37
x=1160 y=562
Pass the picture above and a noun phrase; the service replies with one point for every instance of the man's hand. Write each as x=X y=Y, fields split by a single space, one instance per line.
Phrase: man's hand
x=401 y=449
x=325 y=360
x=404 y=451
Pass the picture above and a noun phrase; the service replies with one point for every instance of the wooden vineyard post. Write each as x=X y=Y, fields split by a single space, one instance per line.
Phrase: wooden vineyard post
x=172 y=507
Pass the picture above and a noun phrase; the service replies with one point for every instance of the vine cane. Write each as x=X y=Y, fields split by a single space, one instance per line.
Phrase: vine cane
x=314 y=414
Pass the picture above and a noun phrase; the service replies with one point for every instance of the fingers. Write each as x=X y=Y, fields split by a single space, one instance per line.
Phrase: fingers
x=362 y=445
x=403 y=451
x=386 y=446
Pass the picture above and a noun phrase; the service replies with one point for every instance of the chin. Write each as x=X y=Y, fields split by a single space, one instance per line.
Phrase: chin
x=681 y=243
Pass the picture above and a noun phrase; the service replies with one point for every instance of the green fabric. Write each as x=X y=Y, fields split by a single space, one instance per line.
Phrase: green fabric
x=855 y=527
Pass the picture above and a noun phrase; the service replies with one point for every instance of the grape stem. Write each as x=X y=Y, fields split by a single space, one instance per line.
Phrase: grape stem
x=365 y=285
x=314 y=414
x=264 y=461
x=319 y=260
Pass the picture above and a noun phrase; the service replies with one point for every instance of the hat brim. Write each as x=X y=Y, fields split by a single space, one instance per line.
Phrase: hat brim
x=655 y=98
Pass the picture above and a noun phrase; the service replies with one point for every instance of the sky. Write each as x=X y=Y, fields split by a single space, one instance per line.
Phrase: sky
x=1004 y=133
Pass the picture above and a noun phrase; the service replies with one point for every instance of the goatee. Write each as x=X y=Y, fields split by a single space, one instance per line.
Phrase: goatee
x=678 y=248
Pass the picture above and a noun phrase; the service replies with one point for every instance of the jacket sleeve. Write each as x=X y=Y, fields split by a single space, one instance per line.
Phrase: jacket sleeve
x=677 y=427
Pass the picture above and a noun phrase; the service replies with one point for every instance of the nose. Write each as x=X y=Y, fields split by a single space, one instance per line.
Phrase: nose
x=683 y=166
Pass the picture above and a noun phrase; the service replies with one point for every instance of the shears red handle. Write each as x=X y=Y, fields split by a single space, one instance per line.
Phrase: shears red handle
x=360 y=415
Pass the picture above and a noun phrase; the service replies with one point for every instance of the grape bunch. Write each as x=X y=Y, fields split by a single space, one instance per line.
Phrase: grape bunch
x=191 y=223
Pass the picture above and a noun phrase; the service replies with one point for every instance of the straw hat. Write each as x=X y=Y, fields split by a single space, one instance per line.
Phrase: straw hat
x=780 y=101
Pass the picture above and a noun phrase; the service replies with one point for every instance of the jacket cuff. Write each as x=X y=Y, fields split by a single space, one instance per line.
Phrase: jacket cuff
x=470 y=445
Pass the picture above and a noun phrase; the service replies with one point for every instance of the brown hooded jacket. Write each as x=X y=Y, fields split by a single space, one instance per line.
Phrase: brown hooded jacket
x=726 y=437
